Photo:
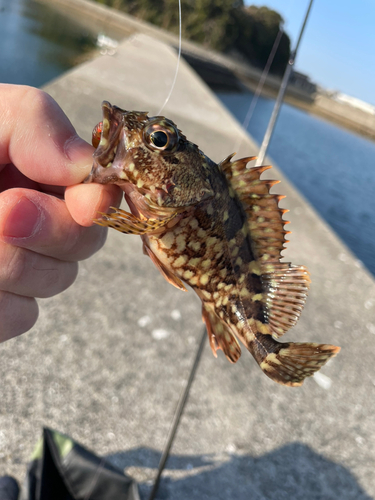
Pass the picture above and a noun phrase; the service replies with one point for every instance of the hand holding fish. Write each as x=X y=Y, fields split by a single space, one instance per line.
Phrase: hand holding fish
x=215 y=227
x=42 y=237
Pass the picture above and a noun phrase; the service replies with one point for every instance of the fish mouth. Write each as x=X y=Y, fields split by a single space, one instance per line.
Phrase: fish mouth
x=106 y=169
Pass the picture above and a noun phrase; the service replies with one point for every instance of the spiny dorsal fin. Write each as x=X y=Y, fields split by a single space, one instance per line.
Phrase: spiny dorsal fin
x=286 y=285
x=265 y=218
x=236 y=167
x=226 y=166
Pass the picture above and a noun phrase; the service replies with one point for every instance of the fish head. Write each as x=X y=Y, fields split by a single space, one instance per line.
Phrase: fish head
x=149 y=155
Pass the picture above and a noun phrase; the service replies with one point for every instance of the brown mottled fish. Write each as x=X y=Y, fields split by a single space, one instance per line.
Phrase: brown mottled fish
x=215 y=227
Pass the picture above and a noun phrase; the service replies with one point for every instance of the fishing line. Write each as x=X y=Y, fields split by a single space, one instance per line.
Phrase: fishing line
x=263 y=78
x=178 y=58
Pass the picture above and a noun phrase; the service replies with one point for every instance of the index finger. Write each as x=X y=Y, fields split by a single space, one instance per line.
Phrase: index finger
x=38 y=138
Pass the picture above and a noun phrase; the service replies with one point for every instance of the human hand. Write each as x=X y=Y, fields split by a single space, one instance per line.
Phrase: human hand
x=45 y=228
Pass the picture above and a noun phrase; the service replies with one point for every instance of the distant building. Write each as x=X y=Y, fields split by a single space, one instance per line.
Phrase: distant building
x=302 y=82
x=353 y=101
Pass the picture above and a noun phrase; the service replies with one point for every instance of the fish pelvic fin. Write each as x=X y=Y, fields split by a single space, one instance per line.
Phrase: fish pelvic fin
x=290 y=363
x=164 y=271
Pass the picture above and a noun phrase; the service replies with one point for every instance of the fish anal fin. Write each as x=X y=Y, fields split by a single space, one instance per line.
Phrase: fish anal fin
x=128 y=223
x=286 y=291
x=290 y=363
x=164 y=271
x=220 y=336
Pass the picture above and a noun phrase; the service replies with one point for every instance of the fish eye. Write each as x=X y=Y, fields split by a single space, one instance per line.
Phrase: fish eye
x=161 y=134
x=159 y=139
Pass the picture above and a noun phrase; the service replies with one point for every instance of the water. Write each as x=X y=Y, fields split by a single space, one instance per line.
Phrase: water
x=38 y=43
x=334 y=169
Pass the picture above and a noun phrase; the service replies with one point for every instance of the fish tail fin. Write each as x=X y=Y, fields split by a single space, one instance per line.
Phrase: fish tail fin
x=290 y=363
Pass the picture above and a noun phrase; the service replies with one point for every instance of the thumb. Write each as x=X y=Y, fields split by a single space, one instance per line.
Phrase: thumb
x=37 y=137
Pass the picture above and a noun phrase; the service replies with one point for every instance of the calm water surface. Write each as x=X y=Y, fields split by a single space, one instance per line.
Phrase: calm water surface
x=38 y=43
x=333 y=168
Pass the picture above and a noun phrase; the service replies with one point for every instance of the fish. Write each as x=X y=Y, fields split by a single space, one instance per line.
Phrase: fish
x=214 y=227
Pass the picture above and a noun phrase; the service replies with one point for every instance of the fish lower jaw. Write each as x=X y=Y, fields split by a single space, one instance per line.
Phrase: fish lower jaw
x=107 y=174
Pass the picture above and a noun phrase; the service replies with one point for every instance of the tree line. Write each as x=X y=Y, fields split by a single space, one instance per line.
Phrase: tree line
x=224 y=25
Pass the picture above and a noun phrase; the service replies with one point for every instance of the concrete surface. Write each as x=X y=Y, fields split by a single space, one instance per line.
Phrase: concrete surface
x=108 y=358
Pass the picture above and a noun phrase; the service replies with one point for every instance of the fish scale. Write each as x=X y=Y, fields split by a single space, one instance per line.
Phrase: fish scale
x=214 y=227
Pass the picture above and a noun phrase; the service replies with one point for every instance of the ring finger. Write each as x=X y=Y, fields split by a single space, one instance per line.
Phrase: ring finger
x=12 y=322
x=24 y=272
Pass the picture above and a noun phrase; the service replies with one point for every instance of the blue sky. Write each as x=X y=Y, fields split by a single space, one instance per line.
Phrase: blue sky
x=337 y=50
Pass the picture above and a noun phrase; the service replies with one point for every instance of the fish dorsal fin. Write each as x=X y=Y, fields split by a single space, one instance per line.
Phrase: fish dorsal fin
x=286 y=285
x=230 y=168
x=226 y=166
x=265 y=218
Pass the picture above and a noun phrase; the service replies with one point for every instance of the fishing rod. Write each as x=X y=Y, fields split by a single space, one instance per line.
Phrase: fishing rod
x=260 y=85
x=178 y=415
x=267 y=137
x=280 y=96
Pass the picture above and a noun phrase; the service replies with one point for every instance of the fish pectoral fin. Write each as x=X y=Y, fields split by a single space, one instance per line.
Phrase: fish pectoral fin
x=166 y=273
x=287 y=288
x=220 y=336
x=290 y=363
x=128 y=223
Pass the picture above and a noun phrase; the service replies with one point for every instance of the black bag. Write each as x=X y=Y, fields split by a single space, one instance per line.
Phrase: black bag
x=61 y=469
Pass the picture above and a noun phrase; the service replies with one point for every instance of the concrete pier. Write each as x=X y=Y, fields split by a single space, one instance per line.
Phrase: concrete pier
x=109 y=357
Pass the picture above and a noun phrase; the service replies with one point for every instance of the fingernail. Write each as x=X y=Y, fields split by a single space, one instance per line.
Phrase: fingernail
x=23 y=219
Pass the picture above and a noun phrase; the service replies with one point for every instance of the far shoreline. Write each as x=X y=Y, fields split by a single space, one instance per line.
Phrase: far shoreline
x=239 y=76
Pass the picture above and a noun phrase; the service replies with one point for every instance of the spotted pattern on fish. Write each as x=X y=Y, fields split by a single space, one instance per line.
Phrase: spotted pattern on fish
x=214 y=227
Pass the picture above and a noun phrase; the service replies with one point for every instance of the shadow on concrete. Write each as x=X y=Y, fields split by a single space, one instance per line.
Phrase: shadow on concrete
x=292 y=472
